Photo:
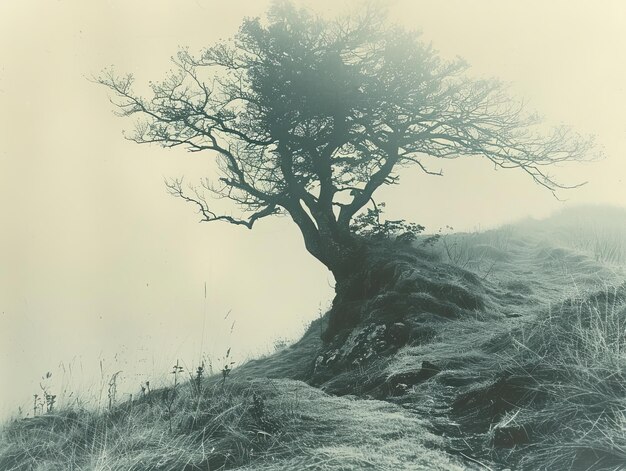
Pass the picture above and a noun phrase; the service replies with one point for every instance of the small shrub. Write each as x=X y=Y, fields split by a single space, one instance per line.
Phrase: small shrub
x=112 y=391
x=369 y=225
x=196 y=381
x=176 y=370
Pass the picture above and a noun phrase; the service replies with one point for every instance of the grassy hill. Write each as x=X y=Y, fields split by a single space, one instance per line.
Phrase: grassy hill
x=492 y=350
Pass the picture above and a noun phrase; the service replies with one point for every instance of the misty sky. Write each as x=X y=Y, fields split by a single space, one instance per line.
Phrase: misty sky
x=96 y=260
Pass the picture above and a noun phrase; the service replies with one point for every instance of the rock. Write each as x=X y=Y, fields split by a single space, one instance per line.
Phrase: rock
x=400 y=383
x=398 y=334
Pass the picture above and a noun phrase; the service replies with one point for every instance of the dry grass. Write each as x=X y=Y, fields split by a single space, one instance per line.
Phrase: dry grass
x=574 y=361
x=530 y=374
x=261 y=424
x=221 y=427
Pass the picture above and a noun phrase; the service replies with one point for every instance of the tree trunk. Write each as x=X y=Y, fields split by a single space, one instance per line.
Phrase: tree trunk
x=349 y=260
x=348 y=257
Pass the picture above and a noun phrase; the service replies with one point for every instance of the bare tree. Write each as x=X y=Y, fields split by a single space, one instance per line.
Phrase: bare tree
x=309 y=117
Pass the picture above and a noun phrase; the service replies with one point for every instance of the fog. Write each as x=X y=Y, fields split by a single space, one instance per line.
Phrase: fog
x=101 y=270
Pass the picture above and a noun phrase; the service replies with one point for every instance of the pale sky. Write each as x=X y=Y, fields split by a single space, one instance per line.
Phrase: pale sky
x=97 y=260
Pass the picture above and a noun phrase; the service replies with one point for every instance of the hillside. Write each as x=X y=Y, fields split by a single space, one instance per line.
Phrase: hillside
x=492 y=350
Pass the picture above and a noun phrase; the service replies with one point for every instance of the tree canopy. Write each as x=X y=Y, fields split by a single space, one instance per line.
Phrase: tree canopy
x=309 y=117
